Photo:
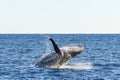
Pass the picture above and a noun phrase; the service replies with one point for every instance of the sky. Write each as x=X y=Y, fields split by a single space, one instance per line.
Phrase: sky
x=59 y=16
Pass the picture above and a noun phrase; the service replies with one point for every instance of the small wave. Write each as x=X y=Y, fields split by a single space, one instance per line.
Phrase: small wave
x=80 y=66
x=26 y=66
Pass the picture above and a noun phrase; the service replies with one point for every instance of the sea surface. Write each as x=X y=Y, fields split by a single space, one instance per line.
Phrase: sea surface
x=99 y=61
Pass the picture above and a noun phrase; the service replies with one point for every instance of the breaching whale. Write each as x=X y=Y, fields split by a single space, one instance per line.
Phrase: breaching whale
x=59 y=56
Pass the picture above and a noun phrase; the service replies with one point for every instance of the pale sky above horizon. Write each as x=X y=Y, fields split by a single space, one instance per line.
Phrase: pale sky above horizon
x=59 y=16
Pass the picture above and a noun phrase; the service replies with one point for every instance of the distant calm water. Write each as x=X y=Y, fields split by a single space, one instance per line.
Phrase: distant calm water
x=99 y=61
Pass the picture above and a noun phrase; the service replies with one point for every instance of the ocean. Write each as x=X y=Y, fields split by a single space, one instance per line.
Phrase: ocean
x=100 y=59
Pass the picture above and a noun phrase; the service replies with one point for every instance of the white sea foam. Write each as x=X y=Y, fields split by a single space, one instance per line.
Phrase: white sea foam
x=80 y=66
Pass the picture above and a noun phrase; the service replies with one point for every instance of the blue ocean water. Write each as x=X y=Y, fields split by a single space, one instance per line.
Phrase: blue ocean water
x=99 y=61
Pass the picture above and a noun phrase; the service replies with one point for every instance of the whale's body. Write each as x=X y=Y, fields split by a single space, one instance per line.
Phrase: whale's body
x=59 y=56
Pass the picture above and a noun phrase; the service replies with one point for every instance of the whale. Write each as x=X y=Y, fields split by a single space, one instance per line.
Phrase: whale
x=59 y=56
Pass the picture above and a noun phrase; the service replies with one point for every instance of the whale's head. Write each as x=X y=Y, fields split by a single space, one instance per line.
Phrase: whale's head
x=72 y=50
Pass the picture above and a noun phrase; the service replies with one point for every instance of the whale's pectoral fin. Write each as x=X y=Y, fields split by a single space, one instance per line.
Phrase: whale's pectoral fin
x=57 y=50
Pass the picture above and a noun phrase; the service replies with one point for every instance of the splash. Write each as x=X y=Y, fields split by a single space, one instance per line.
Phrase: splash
x=79 y=66
x=26 y=66
x=47 y=50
